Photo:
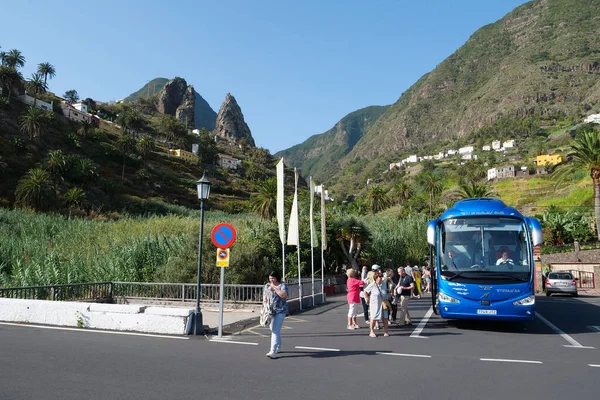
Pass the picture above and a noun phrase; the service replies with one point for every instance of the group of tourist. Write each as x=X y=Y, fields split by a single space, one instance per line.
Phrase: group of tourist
x=379 y=290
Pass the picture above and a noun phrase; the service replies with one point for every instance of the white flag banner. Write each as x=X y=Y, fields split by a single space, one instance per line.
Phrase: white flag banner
x=292 y=238
x=280 y=201
x=313 y=235
x=323 y=227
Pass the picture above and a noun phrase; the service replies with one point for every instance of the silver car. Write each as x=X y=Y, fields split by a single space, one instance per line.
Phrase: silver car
x=561 y=282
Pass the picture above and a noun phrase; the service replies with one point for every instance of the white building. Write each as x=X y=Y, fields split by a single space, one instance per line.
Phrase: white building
x=492 y=174
x=80 y=107
x=486 y=148
x=319 y=190
x=74 y=114
x=594 y=119
x=27 y=99
x=227 y=161
x=496 y=144
x=465 y=150
x=452 y=152
x=508 y=144
x=439 y=155
x=469 y=156
x=411 y=159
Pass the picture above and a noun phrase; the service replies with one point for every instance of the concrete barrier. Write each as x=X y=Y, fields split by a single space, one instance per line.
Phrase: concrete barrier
x=136 y=318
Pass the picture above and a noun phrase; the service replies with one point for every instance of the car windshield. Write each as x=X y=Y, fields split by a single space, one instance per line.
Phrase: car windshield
x=485 y=248
x=560 y=276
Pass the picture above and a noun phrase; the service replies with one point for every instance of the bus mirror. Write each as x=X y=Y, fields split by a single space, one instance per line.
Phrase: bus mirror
x=431 y=232
x=536 y=231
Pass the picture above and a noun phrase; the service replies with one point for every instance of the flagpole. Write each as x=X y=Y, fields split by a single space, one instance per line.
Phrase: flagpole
x=298 y=244
x=323 y=243
x=281 y=211
x=312 y=241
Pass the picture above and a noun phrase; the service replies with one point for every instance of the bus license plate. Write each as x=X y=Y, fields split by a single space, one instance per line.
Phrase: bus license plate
x=486 y=312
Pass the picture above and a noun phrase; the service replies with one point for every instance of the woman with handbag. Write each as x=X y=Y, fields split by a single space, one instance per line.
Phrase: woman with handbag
x=275 y=295
x=379 y=306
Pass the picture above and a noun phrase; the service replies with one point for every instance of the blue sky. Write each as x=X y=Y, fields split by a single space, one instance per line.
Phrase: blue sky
x=295 y=67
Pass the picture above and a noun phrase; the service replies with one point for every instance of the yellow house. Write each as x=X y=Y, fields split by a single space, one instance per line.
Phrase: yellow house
x=186 y=155
x=548 y=160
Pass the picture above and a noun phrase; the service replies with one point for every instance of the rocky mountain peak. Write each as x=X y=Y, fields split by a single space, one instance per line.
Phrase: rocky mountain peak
x=230 y=122
x=178 y=99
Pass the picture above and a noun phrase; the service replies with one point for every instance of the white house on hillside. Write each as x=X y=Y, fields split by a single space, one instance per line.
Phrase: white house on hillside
x=74 y=114
x=508 y=144
x=492 y=174
x=27 y=99
x=486 y=148
x=227 y=161
x=411 y=159
x=594 y=119
x=465 y=150
x=496 y=145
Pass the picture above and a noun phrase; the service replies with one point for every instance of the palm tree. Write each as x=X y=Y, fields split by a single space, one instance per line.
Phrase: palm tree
x=584 y=154
x=75 y=198
x=126 y=144
x=13 y=59
x=32 y=122
x=87 y=170
x=36 y=85
x=46 y=70
x=35 y=189
x=352 y=236
x=56 y=165
x=145 y=146
x=8 y=78
x=84 y=128
x=265 y=202
x=378 y=199
x=402 y=191
x=474 y=190
x=433 y=185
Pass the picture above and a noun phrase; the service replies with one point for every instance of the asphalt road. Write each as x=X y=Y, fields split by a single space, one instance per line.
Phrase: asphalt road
x=556 y=356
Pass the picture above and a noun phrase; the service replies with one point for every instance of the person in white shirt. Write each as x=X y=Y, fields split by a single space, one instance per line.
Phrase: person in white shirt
x=504 y=259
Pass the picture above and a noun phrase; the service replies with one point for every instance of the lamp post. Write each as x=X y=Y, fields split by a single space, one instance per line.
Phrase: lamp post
x=203 y=192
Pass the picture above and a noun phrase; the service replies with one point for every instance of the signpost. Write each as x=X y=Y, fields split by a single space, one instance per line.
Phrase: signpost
x=223 y=236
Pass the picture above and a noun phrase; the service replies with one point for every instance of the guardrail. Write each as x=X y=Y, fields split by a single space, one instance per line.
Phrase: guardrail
x=78 y=291
x=108 y=291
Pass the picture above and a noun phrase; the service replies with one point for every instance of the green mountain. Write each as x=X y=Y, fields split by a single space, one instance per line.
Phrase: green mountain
x=205 y=116
x=320 y=154
x=541 y=60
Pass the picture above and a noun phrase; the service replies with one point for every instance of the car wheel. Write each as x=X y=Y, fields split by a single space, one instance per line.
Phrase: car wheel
x=575 y=294
x=548 y=294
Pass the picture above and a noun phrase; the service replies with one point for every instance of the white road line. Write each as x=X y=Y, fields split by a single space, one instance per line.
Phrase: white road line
x=59 y=328
x=403 y=355
x=594 y=365
x=574 y=343
x=231 y=341
x=316 y=348
x=513 y=361
x=417 y=332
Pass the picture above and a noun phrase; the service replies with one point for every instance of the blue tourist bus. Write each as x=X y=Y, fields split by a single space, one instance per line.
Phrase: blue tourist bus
x=483 y=266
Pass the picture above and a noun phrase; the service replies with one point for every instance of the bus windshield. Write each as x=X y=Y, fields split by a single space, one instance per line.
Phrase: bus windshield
x=485 y=247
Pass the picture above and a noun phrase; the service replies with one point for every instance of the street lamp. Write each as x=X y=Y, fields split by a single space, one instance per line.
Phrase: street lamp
x=203 y=192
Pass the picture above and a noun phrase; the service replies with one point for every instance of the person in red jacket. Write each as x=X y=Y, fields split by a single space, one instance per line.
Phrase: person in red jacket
x=353 y=285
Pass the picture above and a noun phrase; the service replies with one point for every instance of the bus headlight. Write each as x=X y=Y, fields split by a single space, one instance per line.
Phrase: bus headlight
x=447 y=299
x=527 y=301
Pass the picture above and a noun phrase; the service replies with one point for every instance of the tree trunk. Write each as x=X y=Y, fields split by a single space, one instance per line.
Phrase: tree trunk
x=123 y=172
x=596 y=183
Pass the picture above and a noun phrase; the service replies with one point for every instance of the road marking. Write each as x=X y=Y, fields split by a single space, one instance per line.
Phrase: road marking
x=574 y=343
x=417 y=332
x=231 y=341
x=594 y=365
x=60 y=328
x=403 y=355
x=316 y=348
x=513 y=361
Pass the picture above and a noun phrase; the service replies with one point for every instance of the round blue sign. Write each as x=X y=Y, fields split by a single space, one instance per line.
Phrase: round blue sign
x=223 y=235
